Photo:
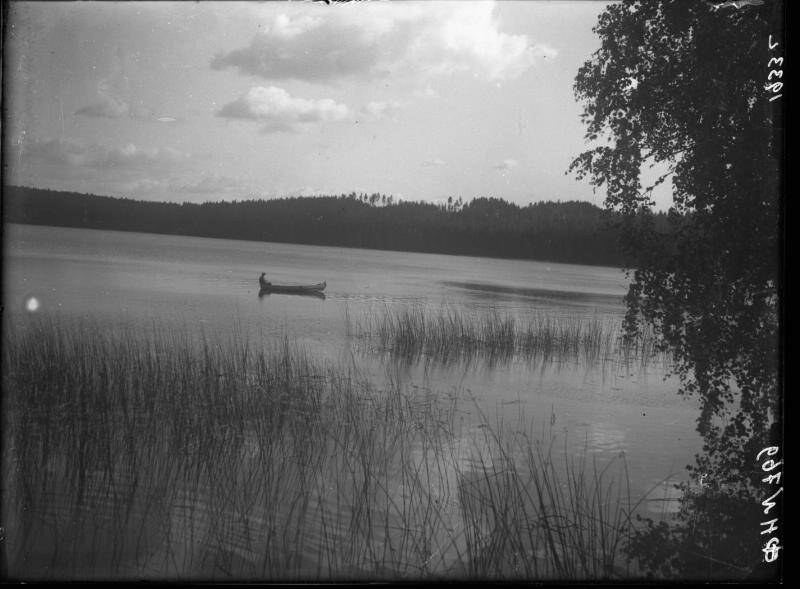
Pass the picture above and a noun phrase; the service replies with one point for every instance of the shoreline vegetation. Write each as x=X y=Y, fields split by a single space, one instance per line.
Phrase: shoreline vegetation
x=137 y=452
x=565 y=232
x=449 y=335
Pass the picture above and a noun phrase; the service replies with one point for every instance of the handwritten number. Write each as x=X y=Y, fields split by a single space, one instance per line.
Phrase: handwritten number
x=772 y=527
x=775 y=87
x=771 y=451
x=771 y=550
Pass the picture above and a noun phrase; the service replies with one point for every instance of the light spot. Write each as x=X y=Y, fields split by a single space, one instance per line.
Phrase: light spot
x=31 y=304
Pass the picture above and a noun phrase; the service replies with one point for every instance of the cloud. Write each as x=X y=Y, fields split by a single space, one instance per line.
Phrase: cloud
x=108 y=107
x=380 y=39
x=132 y=156
x=67 y=152
x=279 y=111
x=111 y=91
x=432 y=163
x=544 y=51
x=305 y=190
x=471 y=40
x=76 y=153
x=381 y=110
x=143 y=186
x=319 y=49
x=427 y=92
x=506 y=165
x=113 y=100
x=210 y=184
x=73 y=164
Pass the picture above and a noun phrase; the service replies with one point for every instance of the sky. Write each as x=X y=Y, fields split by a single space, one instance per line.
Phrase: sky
x=206 y=101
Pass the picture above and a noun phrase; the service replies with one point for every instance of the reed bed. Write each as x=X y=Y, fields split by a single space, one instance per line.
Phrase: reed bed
x=150 y=454
x=450 y=335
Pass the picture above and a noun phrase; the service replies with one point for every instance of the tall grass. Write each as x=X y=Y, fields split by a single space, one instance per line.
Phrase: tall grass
x=448 y=335
x=148 y=453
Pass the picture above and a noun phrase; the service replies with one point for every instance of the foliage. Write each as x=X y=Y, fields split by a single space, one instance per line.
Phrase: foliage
x=681 y=86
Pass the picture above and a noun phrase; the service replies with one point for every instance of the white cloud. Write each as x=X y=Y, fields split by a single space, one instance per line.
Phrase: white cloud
x=433 y=163
x=305 y=190
x=472 y=40
x=380 y=39
x=279 y=111
x=506 y=165
x=381 y=110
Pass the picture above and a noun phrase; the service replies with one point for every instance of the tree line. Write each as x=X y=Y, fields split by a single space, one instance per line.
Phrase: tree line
x=571 y=232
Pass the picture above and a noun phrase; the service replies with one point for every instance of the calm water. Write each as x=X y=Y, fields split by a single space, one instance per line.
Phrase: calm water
x=212 y=285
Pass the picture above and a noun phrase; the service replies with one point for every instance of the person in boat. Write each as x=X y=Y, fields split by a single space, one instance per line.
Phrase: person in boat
x=263 y=281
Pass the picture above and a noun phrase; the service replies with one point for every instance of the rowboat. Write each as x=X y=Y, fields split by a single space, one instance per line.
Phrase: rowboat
x=310 y=289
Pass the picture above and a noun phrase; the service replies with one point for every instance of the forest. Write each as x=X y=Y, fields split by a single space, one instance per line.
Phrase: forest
x=569 y=232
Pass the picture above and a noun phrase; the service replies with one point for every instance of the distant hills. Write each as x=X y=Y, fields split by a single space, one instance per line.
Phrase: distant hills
x=571 y=232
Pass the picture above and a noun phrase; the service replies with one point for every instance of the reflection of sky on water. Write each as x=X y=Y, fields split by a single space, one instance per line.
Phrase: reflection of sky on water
x=605 y=437
x=547 y=297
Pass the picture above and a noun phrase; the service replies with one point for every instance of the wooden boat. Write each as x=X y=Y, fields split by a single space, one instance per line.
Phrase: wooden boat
x=311 y=289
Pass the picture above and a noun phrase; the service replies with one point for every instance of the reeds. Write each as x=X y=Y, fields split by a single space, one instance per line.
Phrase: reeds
x=147 y=453
x=447 y=334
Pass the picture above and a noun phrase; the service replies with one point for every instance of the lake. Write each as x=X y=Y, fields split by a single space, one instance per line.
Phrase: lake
x=210 y=287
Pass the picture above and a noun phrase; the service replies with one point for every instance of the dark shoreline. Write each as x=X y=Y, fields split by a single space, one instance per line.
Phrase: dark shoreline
x=569 y=232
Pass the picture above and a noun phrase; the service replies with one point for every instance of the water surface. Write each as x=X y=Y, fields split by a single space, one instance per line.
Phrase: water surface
x=210 y=286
